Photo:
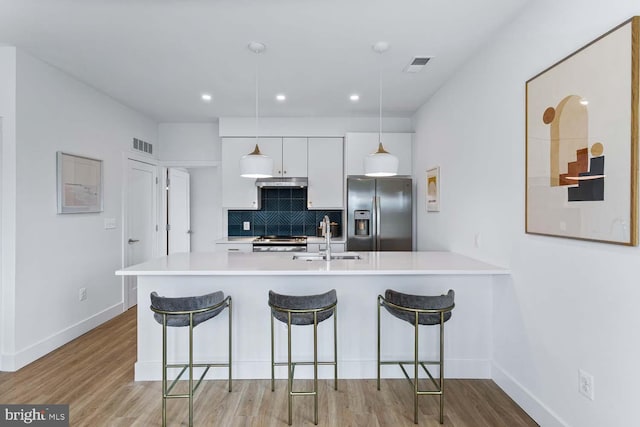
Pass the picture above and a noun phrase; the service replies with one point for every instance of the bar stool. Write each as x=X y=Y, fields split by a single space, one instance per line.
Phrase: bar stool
x=418 y=310
x=187 y=311
x=303 y=310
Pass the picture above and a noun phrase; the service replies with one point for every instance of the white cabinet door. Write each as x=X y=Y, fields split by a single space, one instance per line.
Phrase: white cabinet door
x=361 y=144
x=326 y=173
x=289 y=155
x=272 y=147
x=294 y=157
x=237 y=192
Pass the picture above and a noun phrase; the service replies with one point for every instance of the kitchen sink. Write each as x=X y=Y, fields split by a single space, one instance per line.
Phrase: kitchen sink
x=317 y=256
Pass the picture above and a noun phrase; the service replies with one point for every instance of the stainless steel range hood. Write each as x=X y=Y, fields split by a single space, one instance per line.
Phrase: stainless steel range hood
x=281 y=182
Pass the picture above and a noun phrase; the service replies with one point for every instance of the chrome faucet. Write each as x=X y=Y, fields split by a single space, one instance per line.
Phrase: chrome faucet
x=326 y=225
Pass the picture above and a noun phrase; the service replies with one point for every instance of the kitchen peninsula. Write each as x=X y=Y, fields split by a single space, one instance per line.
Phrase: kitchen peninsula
x=248 y=277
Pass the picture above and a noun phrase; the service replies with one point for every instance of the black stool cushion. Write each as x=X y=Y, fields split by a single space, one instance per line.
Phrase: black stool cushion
x=419 y=302
x=187 y=304
x=303 y=302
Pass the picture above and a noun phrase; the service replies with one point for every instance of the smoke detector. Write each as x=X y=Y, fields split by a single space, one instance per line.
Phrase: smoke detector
x=417 y=64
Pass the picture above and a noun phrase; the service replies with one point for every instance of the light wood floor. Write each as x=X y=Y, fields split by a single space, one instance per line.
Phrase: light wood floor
x=94 y=375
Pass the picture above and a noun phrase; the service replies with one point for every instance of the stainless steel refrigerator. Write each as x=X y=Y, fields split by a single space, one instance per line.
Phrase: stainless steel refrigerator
x=379 y=214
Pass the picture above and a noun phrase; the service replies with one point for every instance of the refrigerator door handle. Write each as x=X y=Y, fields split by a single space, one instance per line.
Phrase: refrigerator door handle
x=376 y=207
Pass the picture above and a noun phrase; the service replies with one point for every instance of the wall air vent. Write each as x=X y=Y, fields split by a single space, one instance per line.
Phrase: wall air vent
x=142 y=146
x=417 y=64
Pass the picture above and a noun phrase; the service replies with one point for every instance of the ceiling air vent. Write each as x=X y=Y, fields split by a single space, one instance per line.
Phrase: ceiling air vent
x=417 y=64
x=142 y=146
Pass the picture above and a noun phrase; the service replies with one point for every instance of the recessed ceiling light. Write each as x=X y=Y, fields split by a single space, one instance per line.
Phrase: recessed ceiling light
x=280 y=97
x=206 y=97
x=354 y=97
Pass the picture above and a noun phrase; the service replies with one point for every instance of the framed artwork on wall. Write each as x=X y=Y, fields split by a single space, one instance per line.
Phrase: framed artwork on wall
x=79 y=184
x=433 y=189
x=582 y=120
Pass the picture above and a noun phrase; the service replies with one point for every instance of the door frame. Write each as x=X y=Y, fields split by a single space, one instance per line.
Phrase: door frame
x=157 y=247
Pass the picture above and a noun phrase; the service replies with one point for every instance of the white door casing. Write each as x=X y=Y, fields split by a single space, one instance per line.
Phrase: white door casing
x=178 y=206
x=141 y=219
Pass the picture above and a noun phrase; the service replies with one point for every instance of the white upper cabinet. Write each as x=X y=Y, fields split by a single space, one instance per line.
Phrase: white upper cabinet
x=361 y=144
x=238 y=192
x=289 y=155
x=294 y=157
x=326 y=173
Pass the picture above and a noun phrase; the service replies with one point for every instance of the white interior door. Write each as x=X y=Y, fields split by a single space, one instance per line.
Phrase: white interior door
x=179 y=219
x=141 y=219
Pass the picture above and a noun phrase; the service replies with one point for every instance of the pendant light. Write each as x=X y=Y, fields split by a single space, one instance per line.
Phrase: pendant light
x=380 y=163
x=256 y=164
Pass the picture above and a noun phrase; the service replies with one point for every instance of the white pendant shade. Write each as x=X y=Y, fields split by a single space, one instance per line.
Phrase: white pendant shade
x=256 y=165
x=380 y=163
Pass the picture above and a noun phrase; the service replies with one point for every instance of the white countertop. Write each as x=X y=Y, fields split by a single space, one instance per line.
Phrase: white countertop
x=278 y=264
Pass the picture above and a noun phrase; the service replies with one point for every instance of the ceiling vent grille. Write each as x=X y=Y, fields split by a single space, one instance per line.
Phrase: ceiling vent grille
x=417 y=64
x=142 y=146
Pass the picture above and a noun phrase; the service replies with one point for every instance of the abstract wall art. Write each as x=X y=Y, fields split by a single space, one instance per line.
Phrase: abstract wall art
x=433 y=190
x=582 y=121
x=79 y=181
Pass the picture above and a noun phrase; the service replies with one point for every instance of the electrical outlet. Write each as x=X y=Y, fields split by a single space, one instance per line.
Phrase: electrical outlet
x=585 y=384
x=82 y=294
x=246 y=225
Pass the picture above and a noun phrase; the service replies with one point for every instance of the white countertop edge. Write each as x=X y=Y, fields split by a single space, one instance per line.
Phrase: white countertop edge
x=316 y=273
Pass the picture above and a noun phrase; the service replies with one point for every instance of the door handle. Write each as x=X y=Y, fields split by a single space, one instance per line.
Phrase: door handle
x=132 y=241
x=189 y=232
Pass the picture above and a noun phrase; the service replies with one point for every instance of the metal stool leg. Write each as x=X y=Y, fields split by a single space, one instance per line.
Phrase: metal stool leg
x=415 y=372
x=164 y=370
x=315 y=367
x=335 y=348
x=289 y=372
x=191 y=370
x=441 y=368
x=272 y=358
x=230 y=364
x=378 y=304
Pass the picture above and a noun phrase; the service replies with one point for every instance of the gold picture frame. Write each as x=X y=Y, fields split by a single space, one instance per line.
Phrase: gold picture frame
x=580 y=112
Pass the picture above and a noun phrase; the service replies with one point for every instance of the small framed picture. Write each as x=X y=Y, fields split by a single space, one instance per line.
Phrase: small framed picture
x=433 y=189
x=79 y=184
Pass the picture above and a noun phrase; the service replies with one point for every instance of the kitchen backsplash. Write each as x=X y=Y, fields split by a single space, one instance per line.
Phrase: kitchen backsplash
x=283 y=213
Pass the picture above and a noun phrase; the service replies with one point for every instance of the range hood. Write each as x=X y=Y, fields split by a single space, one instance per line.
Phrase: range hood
x=281 y=182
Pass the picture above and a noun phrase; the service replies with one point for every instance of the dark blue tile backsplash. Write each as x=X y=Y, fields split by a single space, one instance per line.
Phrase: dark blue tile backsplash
x=283 y=212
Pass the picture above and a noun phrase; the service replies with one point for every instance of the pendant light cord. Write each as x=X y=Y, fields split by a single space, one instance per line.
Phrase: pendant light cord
x=380 y=100
x=257 y=54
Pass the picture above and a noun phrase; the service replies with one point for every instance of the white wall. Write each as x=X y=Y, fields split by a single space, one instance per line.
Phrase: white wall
x=197 y=142
x=568 y=304
x=58 y=254
x=188 y=141
x=7 y=200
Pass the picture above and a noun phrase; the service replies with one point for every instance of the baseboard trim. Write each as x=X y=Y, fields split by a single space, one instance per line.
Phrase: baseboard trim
x=13 y=362
x=533 y=406
x=454 y=368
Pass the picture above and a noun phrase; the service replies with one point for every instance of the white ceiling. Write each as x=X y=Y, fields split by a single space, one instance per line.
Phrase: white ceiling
x=158 y=56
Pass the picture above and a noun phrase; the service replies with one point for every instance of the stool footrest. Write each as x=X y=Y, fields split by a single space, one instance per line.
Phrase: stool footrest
x=184 y=367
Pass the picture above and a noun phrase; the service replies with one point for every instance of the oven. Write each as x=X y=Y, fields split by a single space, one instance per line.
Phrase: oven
x=280 y=244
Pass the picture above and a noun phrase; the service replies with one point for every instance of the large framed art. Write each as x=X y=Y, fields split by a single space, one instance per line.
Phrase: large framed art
x=79 y=184
x=582 y=121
